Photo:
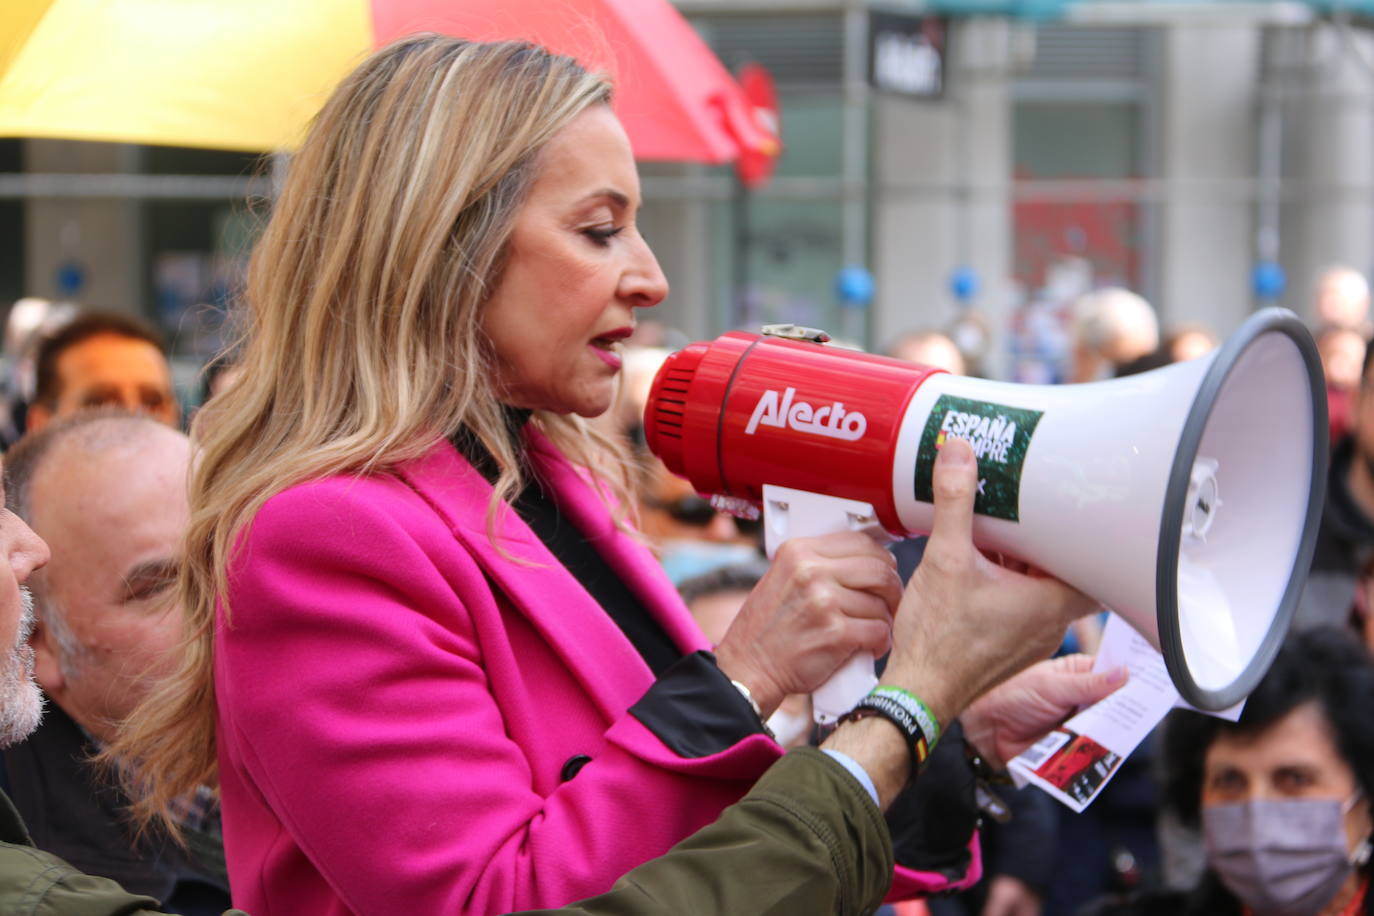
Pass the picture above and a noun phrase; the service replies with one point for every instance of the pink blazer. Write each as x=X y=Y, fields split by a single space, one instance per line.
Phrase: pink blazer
x=397 y=701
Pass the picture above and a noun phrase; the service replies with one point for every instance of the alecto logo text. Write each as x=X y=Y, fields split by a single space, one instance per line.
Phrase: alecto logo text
x=781 y=411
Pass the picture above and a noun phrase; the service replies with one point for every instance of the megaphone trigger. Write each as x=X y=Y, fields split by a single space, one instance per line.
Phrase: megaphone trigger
x=791 y=513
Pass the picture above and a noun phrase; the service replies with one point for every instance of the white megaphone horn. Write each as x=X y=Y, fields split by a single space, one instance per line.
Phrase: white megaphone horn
x=1185 y=499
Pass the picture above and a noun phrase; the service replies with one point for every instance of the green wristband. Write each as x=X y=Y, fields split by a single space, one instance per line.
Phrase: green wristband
x=914 y=705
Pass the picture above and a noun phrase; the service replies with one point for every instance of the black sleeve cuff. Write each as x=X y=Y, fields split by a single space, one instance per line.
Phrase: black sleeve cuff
x=933 y=820
x=695 y=710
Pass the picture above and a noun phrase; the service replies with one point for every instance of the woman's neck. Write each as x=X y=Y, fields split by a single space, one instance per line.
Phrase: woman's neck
x=470 y=445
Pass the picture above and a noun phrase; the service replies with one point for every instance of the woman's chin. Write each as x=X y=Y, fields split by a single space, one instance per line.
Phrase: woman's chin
x=590 y=411
x=587 y=401
x=592 y=403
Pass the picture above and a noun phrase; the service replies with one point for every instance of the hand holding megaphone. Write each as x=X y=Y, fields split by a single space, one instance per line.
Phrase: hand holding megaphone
x=822 y=600
x=966 y=623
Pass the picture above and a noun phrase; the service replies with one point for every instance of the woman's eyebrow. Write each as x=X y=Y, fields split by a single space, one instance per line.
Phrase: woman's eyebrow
x=619 y=198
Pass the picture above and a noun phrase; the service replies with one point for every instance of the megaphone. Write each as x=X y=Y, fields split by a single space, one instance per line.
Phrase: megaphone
x=1186 y=499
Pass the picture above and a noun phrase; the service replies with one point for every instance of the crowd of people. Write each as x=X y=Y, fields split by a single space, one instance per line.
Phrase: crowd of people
x=412 y=621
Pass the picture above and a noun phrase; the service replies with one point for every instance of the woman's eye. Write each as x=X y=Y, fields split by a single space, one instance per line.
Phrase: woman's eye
x=602 y=235
x=1294 y=780
x=1227 y=781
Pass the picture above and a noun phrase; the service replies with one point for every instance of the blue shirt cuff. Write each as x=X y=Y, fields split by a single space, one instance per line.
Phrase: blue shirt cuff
x=855 y=770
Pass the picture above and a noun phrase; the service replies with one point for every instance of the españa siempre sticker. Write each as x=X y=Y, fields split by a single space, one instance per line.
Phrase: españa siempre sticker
x=999 y=436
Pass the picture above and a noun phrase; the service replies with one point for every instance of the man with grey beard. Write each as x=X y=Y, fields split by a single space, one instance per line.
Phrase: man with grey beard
x=21 y=701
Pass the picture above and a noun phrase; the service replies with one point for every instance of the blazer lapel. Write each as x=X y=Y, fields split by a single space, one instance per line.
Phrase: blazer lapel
x=632 y=561
x=610 y=669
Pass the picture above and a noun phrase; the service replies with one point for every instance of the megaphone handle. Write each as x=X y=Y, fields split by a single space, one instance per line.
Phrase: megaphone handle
x=789 y=513
x=845 y=688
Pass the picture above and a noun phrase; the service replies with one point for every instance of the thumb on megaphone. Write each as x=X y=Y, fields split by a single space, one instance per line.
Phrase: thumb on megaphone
x=955 y=483
x=966 y=623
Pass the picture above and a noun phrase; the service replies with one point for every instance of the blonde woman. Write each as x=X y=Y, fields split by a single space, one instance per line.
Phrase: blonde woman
x=429 y=666
x=436 y=672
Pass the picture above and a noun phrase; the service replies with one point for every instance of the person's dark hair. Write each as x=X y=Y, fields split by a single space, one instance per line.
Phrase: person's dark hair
x=80 y=329
x=737 y=577
x=1327 y=665
x=1155 y=359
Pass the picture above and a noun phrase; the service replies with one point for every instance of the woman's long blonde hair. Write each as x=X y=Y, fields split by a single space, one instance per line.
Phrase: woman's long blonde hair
x=362 y=342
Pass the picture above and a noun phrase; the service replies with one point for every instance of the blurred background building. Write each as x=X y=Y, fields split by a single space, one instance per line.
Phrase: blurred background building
x=998 y=155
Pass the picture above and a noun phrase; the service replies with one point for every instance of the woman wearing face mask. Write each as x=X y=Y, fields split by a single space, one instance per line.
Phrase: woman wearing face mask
x=1282 y=797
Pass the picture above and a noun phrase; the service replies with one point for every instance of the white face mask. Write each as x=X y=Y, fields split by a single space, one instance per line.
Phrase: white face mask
x=1282 y=858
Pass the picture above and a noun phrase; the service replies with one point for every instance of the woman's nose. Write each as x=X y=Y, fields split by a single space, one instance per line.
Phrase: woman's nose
x=643 y=283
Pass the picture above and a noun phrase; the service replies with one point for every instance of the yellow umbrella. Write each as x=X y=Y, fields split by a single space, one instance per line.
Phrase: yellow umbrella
x=249 y=74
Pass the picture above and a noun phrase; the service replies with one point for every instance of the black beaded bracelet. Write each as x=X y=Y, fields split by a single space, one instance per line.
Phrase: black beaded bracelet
x=892 y=711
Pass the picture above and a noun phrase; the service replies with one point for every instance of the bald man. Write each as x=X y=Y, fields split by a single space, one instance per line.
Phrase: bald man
x=929 y=348
x=1342 y=299
x=107 y=491
x=1110 y=328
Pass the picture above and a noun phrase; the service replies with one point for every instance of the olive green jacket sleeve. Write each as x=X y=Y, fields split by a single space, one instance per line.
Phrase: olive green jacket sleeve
x=807 y=839
x=36 y=883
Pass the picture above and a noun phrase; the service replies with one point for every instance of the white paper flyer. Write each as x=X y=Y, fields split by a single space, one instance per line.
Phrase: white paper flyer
x=1074 y=762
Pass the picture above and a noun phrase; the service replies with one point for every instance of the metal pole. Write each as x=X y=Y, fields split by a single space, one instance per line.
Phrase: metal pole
x=1270 y=169
x=854 y=218
x=739 y=218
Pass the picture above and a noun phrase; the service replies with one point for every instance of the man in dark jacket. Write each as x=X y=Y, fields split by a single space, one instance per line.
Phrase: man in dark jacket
x=1345 y=541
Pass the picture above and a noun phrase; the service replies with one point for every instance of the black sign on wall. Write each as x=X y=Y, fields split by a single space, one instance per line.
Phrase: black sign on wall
x=906 y=54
